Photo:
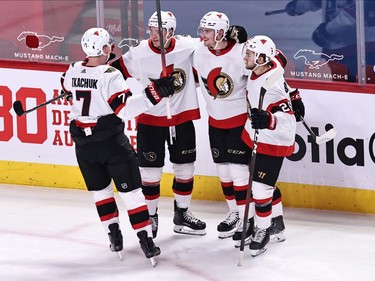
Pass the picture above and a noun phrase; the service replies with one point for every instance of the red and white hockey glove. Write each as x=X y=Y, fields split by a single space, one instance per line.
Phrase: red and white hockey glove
x=297 y=104
x=160 y=88
x=263 y=119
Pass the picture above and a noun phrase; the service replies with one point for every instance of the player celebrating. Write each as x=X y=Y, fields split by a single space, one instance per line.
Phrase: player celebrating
x=277 y=126
x=101 y=101
x=154 y=129
x=218 y=63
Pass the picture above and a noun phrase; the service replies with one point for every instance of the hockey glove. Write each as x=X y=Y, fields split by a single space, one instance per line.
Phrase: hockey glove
x=262 y=119
x=160 y=88
x=281 y=58
x=237 y=33
x=297 y=104
x=292 y=9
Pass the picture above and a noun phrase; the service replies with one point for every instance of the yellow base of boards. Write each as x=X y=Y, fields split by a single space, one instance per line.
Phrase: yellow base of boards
x=205 y=187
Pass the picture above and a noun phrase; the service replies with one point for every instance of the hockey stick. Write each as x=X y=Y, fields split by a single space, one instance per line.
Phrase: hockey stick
x=162 y=53
x=269 y=13
x=327 y=136
x=18 y=109
x=279 y=72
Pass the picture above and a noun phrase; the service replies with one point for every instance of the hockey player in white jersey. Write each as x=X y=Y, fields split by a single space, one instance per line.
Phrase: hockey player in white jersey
x=101 y=100
x=277 y=127
x=219 y=63
x=154 y=129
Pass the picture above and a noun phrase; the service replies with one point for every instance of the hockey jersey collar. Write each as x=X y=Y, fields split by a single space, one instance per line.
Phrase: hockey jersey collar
x=167 y=50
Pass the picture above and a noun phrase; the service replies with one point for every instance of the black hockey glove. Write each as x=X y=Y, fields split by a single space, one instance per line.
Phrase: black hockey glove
x=262 y=119
x=160 y=88
x=281 y=58
x=291 y=9
x=237 y=33
x=297 y=104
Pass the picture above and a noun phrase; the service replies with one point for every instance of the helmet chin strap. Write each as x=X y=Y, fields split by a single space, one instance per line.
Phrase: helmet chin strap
x=217 y=41
x=168 y=39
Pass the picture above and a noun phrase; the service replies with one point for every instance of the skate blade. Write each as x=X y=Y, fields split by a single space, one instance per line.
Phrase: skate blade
x=276 y=238
x=228 y=234
x=237 y=243
x=153 y=261
x=120 y=256
x=187 y=230
x=255 y=253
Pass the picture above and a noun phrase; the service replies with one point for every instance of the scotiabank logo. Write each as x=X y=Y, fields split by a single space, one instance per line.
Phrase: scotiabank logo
x=350 y=151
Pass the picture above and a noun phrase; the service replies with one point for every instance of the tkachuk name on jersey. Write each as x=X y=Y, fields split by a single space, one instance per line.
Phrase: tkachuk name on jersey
x=84 y=83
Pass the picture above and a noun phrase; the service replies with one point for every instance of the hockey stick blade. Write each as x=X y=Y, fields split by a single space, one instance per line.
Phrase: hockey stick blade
x=18 y=109
x=326 y=137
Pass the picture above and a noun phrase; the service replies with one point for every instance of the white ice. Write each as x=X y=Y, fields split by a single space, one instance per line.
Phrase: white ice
x=55 y=234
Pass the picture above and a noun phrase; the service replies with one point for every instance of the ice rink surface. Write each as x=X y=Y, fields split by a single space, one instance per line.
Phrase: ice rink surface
x=55 y=234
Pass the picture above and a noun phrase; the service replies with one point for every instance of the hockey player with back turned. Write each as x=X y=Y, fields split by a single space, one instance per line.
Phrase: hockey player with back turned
x=154 y=129
x=101 y=101
x=277 y=127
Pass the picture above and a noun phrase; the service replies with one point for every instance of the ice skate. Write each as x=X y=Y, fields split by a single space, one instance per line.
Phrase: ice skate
x=259 y=242
x=154 y=224
x=186 y=223
x=228 y=226
x=115 y=237
x=277 y=230
x=148 y=247
x=249 y=231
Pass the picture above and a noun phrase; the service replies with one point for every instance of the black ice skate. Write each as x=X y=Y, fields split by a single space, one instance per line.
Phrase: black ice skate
x=249 y=231
x=115 y=237
x=148 y=247
x=186 y=223
x=277 y=230
x=259 y=242
x=228 y=226
x=154 y=224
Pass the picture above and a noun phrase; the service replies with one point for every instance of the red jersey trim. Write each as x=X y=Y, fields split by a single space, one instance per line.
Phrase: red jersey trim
x=222 y=52
x=268 y=149
x=163 y=121
x=229 y=123
x=167 y=50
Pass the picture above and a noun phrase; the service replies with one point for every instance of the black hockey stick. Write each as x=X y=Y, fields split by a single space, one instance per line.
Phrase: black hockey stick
x=18 y=108
x=327 y=136
x=269 y=13
x=279 y=72
x=162 y=54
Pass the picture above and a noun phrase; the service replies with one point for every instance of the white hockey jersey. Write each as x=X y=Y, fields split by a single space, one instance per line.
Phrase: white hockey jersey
x=278 y=142
x=222 y=78
x=100 y=91
x=143 y=62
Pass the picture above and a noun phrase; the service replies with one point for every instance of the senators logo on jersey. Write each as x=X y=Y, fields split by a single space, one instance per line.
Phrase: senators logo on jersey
x=180 y=77
x=218 y=84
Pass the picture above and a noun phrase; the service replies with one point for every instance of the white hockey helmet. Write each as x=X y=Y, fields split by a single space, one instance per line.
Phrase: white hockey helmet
x=168 y=21
x=216 y=21
x=93 y=41
x=261 y=44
